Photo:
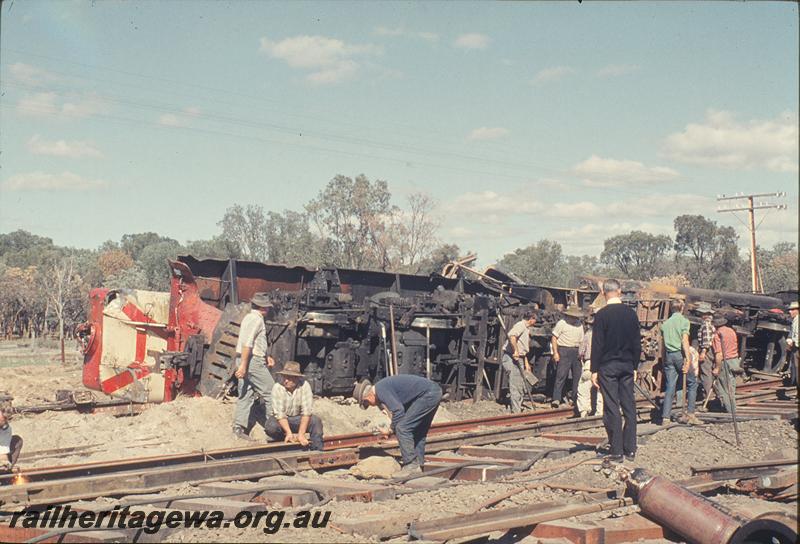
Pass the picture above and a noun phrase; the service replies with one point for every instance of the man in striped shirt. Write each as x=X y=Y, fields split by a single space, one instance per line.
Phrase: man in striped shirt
x=705 y=338
x=292 y=402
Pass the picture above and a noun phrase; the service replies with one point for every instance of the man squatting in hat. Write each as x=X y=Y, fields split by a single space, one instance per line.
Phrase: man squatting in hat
x=566 y=340
x=292 y=401
x=411 y=402
x=10 y=445
x=251 y=367
x=515 y=353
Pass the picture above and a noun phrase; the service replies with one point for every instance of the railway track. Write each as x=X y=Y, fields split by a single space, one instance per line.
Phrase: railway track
x=477 y=443
x=46 y=485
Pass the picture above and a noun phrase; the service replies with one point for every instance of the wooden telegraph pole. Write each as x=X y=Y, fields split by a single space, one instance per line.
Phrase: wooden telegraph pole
x=751 y=225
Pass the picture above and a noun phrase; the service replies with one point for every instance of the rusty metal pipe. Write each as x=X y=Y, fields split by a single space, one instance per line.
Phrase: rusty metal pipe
x=689 y=514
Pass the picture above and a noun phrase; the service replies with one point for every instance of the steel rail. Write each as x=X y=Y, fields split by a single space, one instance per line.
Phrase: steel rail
x=441 y=436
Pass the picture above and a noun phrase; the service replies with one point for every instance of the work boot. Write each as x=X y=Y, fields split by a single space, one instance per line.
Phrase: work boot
x=411 y=469
x=603 y=449
x=692 y=419
x=683 y=419
x=630 y=457
x=610 y=461
x=555 y=404
x=241 y=434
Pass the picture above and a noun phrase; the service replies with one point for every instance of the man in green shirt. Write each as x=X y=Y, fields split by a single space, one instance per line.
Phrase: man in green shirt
x=675 y=332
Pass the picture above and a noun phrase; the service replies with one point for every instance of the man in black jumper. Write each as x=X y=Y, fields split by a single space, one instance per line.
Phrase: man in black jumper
x=616 y=348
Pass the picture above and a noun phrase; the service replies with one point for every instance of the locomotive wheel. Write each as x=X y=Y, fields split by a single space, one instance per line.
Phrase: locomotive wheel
x=218 y=362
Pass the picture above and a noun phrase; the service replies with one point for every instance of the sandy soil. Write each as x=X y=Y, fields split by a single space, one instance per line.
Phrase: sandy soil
x=32 y=374
x=187 y=424
x=195 y=424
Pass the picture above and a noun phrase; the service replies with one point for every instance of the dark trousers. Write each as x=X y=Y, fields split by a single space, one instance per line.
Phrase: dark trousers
x=412 y=429
x=569 y=363
x=706 y=376
x=616 y=385
x=16 y=449
x=274 y=430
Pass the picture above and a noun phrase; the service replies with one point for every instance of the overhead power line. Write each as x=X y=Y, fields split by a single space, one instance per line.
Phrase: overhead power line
x=750 y=208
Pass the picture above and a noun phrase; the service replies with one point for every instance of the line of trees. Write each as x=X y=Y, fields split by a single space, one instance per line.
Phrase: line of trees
x=352 y=223
x=701 y=254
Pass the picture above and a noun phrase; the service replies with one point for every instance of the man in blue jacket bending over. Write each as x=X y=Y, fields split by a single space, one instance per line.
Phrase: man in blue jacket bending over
x=411 y=402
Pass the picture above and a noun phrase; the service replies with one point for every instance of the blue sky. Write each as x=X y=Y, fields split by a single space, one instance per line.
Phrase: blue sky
x=524 y=121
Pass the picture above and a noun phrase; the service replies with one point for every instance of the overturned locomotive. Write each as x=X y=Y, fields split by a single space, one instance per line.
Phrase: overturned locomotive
x=343 y=324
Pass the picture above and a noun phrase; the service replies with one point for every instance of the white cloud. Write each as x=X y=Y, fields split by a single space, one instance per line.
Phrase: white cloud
x=724 y=142
x=614 y=70
x=343 y=70
x=652 y=205
x=329 y=60
x=30 y=75
x=386 y=31
x=574 y=210
x=62 y=148
x=403 y=32
x=472 y=41
x=595 y=233
x=38 y=104
x=428 y=36
x=179 y=119
x=50 y=104
x=600 y=172
x=487 y=133
x=483 y=203
x=84 y=106
x=549 y=75
x=39 y=181
x=170 y=120
x=664 y=205
x=462 y=233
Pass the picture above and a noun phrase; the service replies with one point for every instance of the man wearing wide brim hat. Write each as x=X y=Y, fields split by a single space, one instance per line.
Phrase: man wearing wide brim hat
x=586 y=389
x=574 y=311
x=705 y=337
x=565 y=342
x=292 y=405
x=793 y=342
x=252 y=362
x=411 y=402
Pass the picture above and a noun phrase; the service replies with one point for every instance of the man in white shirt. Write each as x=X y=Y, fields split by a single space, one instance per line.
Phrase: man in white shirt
x=292 y=402
x=793 y=342
x=515 y=356
x=10 y=445
x=253 y=365
x=586 y=388
x=566 y=340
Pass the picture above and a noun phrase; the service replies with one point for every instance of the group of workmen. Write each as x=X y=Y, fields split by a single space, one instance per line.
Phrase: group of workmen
x=602 y=355
x=599 y=352
x=284 y=408
x=602 y=361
